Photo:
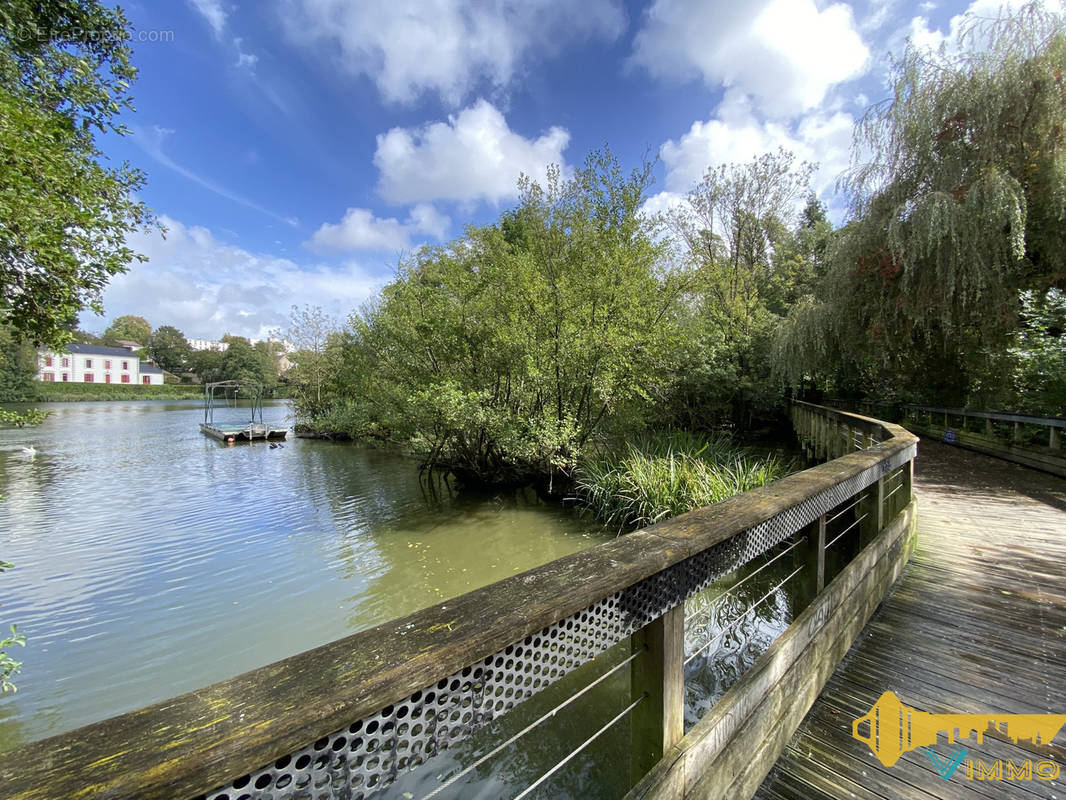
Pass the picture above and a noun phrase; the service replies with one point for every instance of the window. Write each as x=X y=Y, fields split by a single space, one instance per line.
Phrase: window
x=107 y=378
x=66 y=361
x=88 y=377
x=48 y=361
x=125 y=378
x=65 y=378
x=125 y=365
x=88 y=363
x=49 y=377
x=147 y=379
x=107 y=364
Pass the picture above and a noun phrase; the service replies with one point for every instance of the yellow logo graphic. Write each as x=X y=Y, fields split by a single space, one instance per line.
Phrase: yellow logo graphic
x=896 y=729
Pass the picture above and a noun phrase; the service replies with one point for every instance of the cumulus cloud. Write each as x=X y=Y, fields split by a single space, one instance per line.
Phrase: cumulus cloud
x=359 y=229
x=735 y=134
x=213 y=12
x=408 y=47
x=786 y=54
x=207 y=288
x=473 y=156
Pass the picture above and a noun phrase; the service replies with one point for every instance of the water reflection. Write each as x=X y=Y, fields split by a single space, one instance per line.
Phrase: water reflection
x=151 y=560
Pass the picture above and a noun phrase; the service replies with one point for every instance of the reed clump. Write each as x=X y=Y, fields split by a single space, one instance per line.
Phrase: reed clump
x=653 y=477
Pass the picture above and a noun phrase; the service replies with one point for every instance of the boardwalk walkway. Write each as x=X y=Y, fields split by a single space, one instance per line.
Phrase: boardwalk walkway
x=976 y=624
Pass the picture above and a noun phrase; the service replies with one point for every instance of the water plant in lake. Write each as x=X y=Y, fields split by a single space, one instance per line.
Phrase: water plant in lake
x=18 y=419
x=653 y=477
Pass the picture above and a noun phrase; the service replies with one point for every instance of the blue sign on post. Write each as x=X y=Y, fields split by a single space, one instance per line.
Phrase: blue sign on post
x=949 y=436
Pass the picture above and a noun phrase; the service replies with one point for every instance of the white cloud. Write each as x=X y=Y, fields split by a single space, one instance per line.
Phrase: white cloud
x=244 y=60
x=473 y=156
x=923 y=36
x=207 y=288
x=213 y=12
x=786 y=54
x=361 y=230
x=736 y=134
x=449 y=47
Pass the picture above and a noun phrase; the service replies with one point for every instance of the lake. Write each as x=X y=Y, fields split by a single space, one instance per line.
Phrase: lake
x=152 y=560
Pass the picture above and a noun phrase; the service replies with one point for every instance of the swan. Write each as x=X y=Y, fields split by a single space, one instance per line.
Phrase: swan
x=30 y=451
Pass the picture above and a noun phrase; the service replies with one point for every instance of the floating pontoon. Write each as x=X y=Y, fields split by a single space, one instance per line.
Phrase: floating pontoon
x=226 y=394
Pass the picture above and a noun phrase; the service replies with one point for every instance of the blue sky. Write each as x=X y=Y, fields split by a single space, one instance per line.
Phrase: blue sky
x=294 y=148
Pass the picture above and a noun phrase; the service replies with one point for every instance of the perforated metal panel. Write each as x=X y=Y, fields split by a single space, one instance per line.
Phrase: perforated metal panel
x=360 y=760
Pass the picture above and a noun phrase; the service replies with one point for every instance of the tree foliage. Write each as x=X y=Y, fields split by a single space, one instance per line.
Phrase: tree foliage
x=128 y=328
x=958 y=205
x=747 y=257
x=168 y=347
x=312 y=332
x=503 y=353
x=18 y=366
x=65 y=76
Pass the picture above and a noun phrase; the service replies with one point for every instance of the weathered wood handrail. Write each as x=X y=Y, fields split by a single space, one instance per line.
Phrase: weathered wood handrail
x=1001 y=416
x=416 y=684
x=937 y=421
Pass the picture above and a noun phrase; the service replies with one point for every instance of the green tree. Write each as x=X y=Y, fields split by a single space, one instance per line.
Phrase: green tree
x=18 y=366
x=504 y=354
x=958 y=205
x=128 y=328
x=168 y=347
x=207 y=364
x=65 y=76
x=315 y=362
x=268 y=353
x=242 y=362
x=746 y=267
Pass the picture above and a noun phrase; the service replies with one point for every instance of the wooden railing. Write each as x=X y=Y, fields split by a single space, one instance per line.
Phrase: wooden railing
x=349 y=718
x=1014 y=437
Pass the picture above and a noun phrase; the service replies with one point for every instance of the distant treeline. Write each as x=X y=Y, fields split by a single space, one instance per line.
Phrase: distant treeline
x=41 y=392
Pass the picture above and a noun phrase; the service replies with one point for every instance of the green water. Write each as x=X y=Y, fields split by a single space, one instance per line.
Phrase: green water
x=152 y=560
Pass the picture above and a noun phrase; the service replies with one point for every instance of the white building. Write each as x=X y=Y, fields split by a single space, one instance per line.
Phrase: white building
x=90 y=363
x=207 y=344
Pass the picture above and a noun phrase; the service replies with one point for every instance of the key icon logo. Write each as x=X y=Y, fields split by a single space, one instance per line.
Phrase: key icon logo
x=894 y=729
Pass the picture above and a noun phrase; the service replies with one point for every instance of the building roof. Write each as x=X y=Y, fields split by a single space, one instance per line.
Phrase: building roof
x=150 y=369
x=99 y=350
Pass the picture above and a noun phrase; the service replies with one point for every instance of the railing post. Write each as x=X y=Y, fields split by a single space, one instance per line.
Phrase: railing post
x=658 y=723
x=988 y=425
x=880 y=504
x=1017 y=431
x=820 y=553
x=1053 y=441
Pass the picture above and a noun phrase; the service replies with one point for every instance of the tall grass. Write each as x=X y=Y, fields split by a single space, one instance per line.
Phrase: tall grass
x=655 y=477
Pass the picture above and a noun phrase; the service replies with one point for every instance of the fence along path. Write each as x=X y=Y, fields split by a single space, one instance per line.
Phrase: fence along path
x=977 y=624
x=345 y=720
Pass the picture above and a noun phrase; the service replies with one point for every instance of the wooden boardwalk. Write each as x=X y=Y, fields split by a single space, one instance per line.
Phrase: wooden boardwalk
x=977 y=624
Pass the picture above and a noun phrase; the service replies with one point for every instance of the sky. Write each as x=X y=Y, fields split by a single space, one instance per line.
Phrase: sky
x=295 y=149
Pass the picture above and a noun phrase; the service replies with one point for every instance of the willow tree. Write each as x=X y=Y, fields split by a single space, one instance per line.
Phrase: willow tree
x=957 y=201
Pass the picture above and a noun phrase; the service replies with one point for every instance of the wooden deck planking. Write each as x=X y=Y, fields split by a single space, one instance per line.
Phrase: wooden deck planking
x=976 y=624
